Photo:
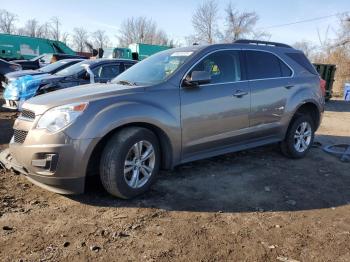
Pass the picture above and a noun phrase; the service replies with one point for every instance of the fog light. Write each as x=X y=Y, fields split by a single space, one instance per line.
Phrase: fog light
x=46 y=161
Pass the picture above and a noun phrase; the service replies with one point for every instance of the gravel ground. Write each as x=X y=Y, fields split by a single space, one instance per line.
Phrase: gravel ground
x=253 y=205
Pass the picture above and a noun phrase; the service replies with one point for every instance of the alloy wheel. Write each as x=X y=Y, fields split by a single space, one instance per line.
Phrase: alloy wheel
x=139 y=164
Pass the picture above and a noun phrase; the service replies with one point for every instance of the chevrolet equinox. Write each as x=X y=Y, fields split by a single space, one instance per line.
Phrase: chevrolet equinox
x=179 y=105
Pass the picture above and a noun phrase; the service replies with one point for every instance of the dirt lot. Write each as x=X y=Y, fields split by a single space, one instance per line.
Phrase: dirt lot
x=254 y=205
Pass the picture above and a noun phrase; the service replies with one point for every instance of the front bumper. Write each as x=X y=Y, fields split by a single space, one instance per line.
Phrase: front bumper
x=57 y=185
x=52 y=161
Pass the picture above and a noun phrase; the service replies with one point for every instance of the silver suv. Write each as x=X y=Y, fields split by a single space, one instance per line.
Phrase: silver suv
x=177 y=106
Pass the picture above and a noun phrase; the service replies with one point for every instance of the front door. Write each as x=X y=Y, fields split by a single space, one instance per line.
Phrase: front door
x=215 y=115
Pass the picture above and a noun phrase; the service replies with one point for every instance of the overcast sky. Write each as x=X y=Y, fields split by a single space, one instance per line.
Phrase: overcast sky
x=175 y=16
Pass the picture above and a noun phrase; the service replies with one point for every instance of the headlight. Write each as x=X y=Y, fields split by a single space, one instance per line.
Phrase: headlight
x=60 y=117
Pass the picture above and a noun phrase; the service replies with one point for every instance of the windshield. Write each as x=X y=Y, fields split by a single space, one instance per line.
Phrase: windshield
x=74 y=69
x=155 y=69
x=52 y=67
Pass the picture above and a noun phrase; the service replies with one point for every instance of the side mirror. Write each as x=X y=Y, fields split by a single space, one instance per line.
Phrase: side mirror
x=197 y=78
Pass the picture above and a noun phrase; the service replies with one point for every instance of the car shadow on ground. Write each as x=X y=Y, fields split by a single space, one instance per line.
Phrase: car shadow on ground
x=260 y=179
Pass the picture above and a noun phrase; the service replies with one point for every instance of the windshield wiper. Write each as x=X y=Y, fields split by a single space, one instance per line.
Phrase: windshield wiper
x=126 y=83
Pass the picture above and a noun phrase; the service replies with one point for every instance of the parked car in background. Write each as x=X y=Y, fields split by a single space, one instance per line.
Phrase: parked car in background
x=174 y=107
x=49 y=69
x=7 y=67
x=84 y=72
x=44 y=60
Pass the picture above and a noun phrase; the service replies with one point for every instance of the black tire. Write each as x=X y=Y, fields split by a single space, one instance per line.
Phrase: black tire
x=287 y=146
x=113 y=158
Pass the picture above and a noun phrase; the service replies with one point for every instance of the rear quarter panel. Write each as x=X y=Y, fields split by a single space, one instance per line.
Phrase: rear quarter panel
x=306 y=89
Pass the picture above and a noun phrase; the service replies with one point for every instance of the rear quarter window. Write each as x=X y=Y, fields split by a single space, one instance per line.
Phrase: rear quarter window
x=301 y=60
x=262 y=65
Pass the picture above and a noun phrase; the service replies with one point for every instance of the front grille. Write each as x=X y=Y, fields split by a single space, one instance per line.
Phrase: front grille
x=19 y=136
x=27 y=114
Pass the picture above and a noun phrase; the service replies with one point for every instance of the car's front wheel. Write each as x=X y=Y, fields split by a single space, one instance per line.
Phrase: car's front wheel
x=299 y=138
x=130 y=162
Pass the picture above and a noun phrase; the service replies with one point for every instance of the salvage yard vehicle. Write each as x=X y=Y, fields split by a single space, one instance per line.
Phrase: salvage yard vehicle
x=32 y=64
x=48 y=69
x=87 y=71
x=174 y=107
x=44 y=60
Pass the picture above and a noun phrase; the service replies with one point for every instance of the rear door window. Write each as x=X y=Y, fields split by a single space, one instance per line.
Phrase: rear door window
x=223 y=66
x=262 y=65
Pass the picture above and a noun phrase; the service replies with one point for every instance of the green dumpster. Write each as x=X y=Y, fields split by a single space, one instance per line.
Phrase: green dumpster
x=327 y=72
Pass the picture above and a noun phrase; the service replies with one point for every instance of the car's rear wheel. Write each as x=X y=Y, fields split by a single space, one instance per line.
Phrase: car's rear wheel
x=130 y=162
x=299 y=138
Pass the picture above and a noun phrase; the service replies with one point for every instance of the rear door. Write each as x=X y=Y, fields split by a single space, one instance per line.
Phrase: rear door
x=271 y=83
x=215 y=115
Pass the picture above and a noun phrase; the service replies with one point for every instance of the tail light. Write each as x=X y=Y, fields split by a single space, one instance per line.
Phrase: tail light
x=323 y=86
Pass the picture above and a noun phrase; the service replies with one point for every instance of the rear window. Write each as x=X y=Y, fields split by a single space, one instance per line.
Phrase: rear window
x=261 y=65
x=301 y=59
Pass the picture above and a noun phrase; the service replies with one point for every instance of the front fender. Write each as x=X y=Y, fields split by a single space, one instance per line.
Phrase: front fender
x=108 y=118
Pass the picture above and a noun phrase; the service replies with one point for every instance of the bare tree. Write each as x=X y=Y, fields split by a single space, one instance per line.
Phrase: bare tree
x=100 y=39
x=241 y=25
x=343 y=34
x=65 y=37
x=80 y=37
x=44 y=30
x=307 y=47
x=31 y=28
x=7 y=22
x=55 y=25
x=204 y=21
x=141 y=30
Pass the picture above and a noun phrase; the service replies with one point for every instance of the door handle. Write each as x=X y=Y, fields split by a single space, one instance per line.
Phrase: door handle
x=240 y=93
x=288 y=87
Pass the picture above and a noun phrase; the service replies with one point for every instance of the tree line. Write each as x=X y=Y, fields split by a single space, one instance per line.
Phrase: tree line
x=142 y=29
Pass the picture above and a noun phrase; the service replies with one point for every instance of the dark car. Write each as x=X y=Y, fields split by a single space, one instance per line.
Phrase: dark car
x=85 y=72
x=43 y=60
x=7 y=67
x=49 y=69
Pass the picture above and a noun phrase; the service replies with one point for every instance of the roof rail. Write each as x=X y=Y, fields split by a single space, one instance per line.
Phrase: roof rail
x=259 y=42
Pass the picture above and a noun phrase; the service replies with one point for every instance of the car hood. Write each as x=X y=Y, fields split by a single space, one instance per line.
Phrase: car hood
x=23 y=73
x=84 y=93
x=52 y=79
